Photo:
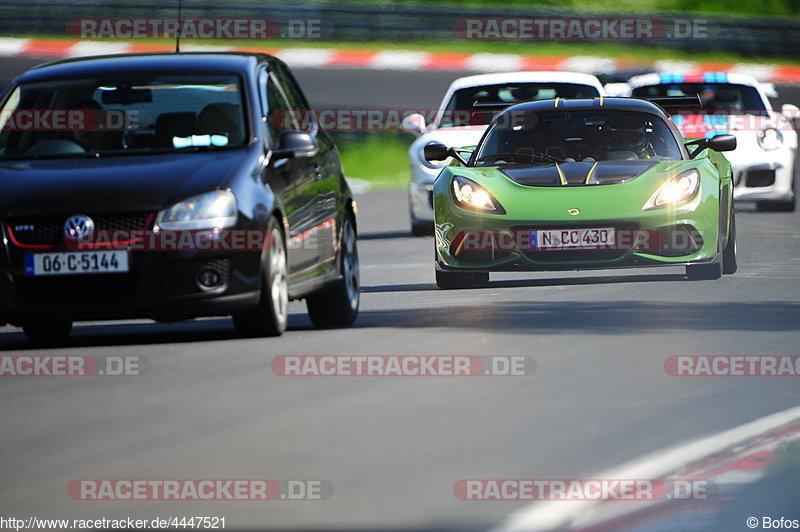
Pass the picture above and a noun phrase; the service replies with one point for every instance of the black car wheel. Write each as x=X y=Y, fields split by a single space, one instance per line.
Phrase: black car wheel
x=47 y=330
x=270 y=316
x=337 y=306
x=421 y=228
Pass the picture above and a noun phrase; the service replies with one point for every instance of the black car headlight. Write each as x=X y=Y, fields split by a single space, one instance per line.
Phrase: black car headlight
x=211 y=210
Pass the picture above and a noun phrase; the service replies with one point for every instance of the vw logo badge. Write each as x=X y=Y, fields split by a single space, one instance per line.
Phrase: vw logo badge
x=574 y=212
x=79 y=227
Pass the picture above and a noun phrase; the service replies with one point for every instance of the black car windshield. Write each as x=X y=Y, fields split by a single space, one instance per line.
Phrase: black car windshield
x=122 y=114
x=570 y=136
x=740 y=99
x=459 y=110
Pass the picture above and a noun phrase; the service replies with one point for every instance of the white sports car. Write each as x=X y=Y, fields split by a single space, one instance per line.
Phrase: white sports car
x=764 y=160
x=458 y=122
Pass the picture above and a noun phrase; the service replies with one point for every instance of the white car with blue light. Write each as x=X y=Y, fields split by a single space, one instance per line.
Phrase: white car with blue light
x=764 y=159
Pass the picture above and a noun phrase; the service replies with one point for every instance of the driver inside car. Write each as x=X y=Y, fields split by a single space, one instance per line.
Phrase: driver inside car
x=627 y=139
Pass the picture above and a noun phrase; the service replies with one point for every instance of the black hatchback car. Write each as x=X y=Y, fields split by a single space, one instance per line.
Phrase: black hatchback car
x=170 y=186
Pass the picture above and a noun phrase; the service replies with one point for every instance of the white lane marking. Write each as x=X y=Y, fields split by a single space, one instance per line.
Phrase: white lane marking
x=188 y=47
x=494 y=62
x=760 y=72
x=588 y=64
x=306 y=57
x=667 y=65
x=86 y=48
x=10 y=47
x=398 y=60
x=556 y=514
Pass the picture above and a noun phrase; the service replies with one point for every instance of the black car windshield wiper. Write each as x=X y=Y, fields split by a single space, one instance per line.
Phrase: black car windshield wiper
x=22 y=156
x=518 y=157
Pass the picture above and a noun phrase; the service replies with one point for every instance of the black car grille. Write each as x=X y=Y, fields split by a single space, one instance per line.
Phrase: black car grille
x=759 y=178
x=678 y=241
x=582 y=255
x=49 y=231
x=83 y=289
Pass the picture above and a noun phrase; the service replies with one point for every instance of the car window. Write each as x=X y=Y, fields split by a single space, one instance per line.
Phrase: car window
x=578 y=136
x=459 y=111
x=122 y=114
x=715 y=96
x=280 y=115
x=294 y=98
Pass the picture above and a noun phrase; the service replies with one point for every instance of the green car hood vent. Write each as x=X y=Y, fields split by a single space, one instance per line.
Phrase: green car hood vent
x=578 y=173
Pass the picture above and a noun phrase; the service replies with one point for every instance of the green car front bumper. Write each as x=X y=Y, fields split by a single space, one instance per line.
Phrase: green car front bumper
x=688 y=233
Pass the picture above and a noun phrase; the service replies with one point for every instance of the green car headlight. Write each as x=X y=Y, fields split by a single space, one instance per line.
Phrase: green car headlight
x=472 y=196
x=211 y=210
x=676 y=190
x=770 y=139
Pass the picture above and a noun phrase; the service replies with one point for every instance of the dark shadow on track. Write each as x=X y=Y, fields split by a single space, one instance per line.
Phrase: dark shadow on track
x=520 y=283
x=382 y=235
x=611 y=317
x=141 y=333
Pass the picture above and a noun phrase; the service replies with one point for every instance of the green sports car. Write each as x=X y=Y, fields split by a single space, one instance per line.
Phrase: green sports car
x=583 y=184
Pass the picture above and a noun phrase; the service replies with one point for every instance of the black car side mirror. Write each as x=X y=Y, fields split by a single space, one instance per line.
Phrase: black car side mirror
x=295 y=144
x=716 y=143
x=722 y=143
x=439 y=152
x=436 y=152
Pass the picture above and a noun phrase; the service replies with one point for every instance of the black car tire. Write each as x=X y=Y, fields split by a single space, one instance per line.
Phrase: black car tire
x=337 y=305
x=270 y=316
x=47 y=330
x=421 y=228
x=455 y=280
x=729 y=263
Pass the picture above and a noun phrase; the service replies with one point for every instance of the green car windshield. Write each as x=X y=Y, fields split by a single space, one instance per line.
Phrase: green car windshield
x=573 y=136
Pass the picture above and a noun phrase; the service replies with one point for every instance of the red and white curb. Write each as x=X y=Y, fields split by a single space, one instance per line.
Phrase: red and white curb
x=717 y=456
x=402 y=59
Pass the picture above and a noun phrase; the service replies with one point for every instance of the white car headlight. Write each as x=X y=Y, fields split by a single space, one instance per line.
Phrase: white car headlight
x=770 y=139
x=433 y=165
x=211 y=210
x=676 y=190
x=473 y=196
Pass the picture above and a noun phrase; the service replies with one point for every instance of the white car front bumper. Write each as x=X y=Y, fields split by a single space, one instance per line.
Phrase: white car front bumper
x=760 y=175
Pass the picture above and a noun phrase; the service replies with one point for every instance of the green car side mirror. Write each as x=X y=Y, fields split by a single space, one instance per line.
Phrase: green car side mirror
x=717 y=143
